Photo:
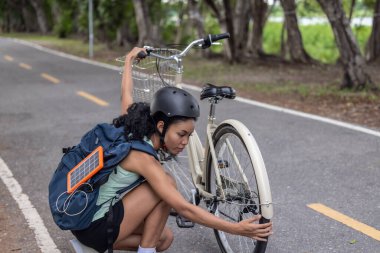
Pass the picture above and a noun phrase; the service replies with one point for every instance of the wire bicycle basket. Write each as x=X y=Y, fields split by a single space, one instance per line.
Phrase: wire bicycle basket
x=151 y=74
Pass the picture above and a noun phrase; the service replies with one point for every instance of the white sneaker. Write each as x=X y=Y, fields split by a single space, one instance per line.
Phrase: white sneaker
x=81 y=248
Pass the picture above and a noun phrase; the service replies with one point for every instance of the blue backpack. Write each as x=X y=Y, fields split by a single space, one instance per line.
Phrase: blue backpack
x=75 y=211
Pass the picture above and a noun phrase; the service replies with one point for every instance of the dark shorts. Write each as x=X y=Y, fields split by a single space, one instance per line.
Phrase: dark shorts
x=95 y=236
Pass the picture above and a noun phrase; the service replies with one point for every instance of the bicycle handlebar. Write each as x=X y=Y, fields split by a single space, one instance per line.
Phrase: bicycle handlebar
x=214 y=37
x=203 y=43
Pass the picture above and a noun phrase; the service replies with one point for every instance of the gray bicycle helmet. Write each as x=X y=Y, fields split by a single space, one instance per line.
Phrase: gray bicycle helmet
x=173 y=101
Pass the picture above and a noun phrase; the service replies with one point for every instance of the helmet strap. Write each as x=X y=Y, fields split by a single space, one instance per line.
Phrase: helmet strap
x=162 y=136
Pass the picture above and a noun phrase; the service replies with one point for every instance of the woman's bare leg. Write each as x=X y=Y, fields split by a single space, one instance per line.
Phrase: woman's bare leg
x=143 y=208
x=133 y=241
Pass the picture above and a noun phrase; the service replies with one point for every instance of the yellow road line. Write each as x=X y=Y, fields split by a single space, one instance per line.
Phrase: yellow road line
x=348 y=221
x=8 y=57
x=92 y=98
x=25 y=66
x=50 y=78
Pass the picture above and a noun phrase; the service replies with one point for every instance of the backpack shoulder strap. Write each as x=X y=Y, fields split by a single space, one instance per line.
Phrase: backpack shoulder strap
x=144 y=147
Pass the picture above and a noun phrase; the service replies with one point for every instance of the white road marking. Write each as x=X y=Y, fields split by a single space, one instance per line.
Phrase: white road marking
x=299 y=114
x=35 y=222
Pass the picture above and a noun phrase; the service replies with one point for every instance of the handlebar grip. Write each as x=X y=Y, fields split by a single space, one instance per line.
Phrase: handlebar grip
x=216 y=37
x=207 y=41
x=142 y=55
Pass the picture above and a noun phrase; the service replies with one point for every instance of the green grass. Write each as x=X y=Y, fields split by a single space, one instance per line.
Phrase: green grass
x=306 y=90
x=318 y=40
x=75 y=46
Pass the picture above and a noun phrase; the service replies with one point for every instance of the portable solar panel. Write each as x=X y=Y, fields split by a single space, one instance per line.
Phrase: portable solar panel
x=84 y=170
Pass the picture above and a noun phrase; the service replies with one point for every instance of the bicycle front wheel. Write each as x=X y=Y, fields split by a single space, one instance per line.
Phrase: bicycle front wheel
x=239 y=185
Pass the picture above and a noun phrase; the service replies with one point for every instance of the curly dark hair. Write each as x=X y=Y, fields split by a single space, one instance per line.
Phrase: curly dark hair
x=138 y=123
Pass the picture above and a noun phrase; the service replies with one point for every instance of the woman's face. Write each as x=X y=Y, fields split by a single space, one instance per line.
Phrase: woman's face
x=177 y=135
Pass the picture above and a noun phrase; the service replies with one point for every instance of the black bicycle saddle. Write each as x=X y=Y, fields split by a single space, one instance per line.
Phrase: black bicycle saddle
x=211 y=90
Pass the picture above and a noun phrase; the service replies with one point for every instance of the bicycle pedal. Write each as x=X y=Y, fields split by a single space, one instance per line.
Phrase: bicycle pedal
x=182 y=222
x=173 y=212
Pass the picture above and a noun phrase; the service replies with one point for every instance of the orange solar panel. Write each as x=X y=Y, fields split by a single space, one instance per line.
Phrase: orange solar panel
x=84 y=170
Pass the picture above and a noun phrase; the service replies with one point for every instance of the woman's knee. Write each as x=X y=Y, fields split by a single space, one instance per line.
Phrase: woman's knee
x=166 y=240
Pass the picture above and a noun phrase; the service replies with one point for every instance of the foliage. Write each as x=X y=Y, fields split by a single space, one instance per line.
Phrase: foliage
x=64 y=26
x=318 y=40
x=170 y=20
x=2 y=10
x=109 y=16
x=65 y=22
x=310 y=8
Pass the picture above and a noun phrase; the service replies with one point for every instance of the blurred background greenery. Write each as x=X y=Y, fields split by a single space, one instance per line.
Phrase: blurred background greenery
x=271 y=34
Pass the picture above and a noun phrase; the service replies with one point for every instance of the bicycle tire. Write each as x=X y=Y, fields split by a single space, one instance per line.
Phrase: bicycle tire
x=239 y=205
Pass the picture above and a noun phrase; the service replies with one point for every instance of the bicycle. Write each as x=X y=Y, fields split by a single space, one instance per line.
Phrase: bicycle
x=228 y=173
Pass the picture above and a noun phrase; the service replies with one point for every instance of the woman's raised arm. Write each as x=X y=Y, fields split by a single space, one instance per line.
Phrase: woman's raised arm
x=126 y=82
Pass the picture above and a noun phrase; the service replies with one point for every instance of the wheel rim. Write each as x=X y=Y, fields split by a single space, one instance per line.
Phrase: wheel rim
x=241 y=193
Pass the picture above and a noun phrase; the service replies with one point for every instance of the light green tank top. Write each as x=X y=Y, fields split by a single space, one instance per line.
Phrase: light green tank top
x=116 y=181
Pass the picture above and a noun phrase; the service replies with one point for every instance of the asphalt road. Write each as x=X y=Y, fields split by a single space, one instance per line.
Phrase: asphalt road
x=308 y=161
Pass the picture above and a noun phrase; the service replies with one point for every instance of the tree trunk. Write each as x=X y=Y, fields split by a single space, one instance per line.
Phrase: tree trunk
x=144 y=25
x=294 y=42
x=196 y=18
x=124 y=37
x=355 y=75
x=41 y=17
x=5 y=25
x=233 y=18
x=225 y=25
x=180 y=29
x=241 y=27
x=228 y=22
x=259 y=9
x=29 y=20
x=197 y=22
x=352 y=7
x=373 y=44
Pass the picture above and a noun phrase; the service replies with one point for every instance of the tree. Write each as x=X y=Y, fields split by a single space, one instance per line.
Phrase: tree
x=353 y=63
x=109 y=17
x=41 y=16
x=225 y=25
x=294 y=42
x=127 y=34
x=196 y=18
x=233 y=18
x=18 y=16
x=144 y=23
x=373 y=44
x=259 y=10
x=65 y=13
x=241 y=26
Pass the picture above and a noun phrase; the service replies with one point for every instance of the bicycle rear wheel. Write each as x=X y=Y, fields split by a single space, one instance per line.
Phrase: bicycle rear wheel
x=240 y=186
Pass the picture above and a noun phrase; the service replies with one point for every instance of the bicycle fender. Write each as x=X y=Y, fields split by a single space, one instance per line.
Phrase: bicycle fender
x=259 y=166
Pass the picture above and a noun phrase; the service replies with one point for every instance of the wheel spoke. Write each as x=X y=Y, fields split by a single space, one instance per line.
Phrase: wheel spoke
x=238 y=179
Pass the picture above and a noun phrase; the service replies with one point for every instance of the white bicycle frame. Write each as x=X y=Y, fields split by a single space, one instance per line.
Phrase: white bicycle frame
x=197 y=153
x=197 y=163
